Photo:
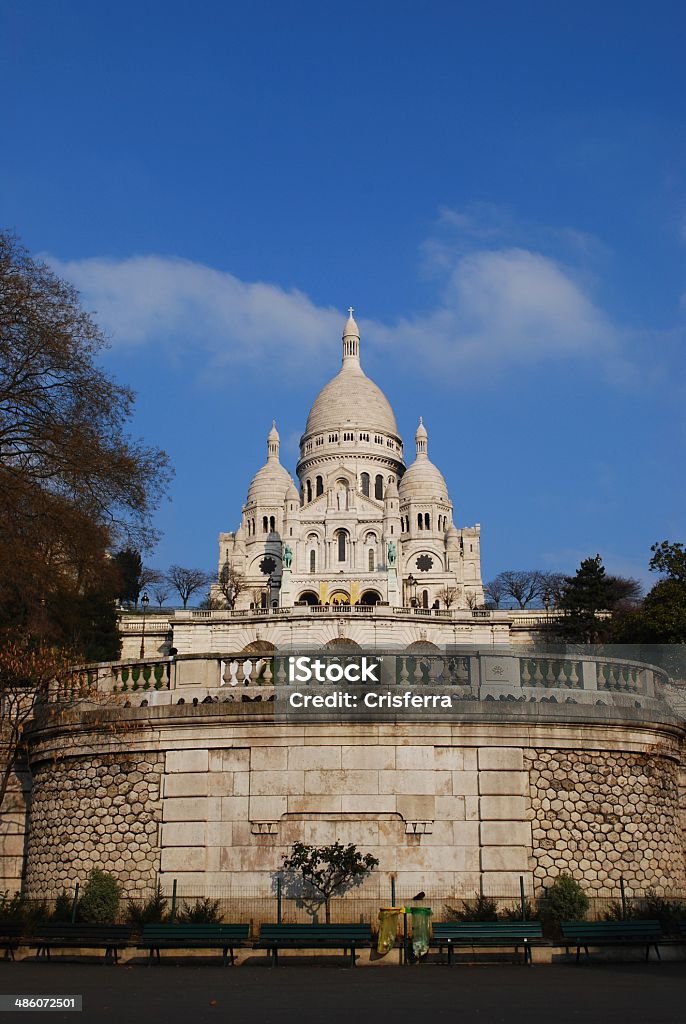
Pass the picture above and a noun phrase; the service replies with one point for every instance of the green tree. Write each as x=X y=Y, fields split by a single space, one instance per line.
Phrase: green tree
x=670 y=560
x=565 y=901
x=583 y=596
x=99 y=903
x=129 y=566
x=325 y=871
x=661 y=617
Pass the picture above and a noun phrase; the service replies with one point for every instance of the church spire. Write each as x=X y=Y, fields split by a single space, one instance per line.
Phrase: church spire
x=351 y=341
x=422 y=439
x=273 y=440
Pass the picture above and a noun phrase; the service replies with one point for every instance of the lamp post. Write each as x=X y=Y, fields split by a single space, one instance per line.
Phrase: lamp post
x=412 y=585
x=145 y=601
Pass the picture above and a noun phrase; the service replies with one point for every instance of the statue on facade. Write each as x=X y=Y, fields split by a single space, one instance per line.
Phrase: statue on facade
x=287 y=556
x=391 y=552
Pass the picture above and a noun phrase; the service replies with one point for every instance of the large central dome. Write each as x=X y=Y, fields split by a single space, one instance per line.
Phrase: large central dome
x=351 y=398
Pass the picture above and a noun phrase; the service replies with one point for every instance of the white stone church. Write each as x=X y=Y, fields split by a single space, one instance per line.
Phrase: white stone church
x=361 y=528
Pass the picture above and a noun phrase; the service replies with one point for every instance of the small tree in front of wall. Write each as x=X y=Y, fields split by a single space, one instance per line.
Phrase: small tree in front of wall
x=99 y=903
x=326 y=871
x=565 y=900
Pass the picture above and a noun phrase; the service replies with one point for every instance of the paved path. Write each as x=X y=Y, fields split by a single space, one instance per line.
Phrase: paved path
x=600 y=994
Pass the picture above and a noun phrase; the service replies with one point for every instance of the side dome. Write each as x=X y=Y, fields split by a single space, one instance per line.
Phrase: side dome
x=269 y=484
x=423 y=480
x=272 y=481
x=351 y=398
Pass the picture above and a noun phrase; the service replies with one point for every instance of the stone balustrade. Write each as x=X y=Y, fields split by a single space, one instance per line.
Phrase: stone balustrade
x=477 y=674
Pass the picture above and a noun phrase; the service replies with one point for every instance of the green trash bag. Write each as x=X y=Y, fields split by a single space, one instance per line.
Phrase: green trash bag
x=420 y=920
x=388 y=928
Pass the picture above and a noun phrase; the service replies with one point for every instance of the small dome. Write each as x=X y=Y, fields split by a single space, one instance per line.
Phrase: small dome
x=423 y=480
x=270 y=484
x=392 y=490
x=292 y=493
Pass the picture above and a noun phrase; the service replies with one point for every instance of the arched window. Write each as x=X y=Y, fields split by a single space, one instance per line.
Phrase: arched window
x=378 y=486
x=319 y=488
x=272 y=524
x=342 y=538
x=364 y=484
x=420 y=521
x=371 y=560
x=425 y=598
x=313 y=561
x=308 y=489
x=427 y=521
x=265 y=524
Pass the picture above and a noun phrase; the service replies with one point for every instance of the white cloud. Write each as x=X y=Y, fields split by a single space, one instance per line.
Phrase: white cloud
x=195 y=310
x=494 y=308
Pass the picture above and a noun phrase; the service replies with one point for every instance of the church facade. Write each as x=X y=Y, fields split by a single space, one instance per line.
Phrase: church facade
x=359 y=527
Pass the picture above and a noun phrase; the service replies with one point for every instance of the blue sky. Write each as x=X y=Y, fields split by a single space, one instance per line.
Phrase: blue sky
x=499 y=189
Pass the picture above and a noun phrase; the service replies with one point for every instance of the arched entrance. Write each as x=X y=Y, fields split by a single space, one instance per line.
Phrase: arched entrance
x=370 y=597
x=309 y=597
x=339 y=597
x=259 y=647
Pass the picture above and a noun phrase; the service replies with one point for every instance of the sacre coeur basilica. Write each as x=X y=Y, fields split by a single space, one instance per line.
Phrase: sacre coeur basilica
x=490 y=762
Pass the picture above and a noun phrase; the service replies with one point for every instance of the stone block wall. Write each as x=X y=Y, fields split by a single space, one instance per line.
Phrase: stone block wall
x=13 y=831
x=602 y=815
x=466 y=807
x=95 y=812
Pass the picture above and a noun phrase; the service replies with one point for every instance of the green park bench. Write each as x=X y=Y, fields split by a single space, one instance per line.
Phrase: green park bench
x=313 y=936
x=10 y=936
x=583 y=934
x=110 y=937
x=193 y=936
x=479 y=934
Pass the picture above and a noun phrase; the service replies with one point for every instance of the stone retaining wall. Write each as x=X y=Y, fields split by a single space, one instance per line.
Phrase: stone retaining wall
x=215 y=795
x=604 y=815
x=95 y=812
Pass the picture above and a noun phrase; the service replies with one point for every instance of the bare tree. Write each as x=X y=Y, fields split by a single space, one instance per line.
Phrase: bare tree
x=523 y=586
x=72 y=482
x=494 y=591
x=625 y=591
x=231 y=583
x=448 y=595
x=551 y=588
x=187 y=582
x=161 y=589
x=149 y=576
